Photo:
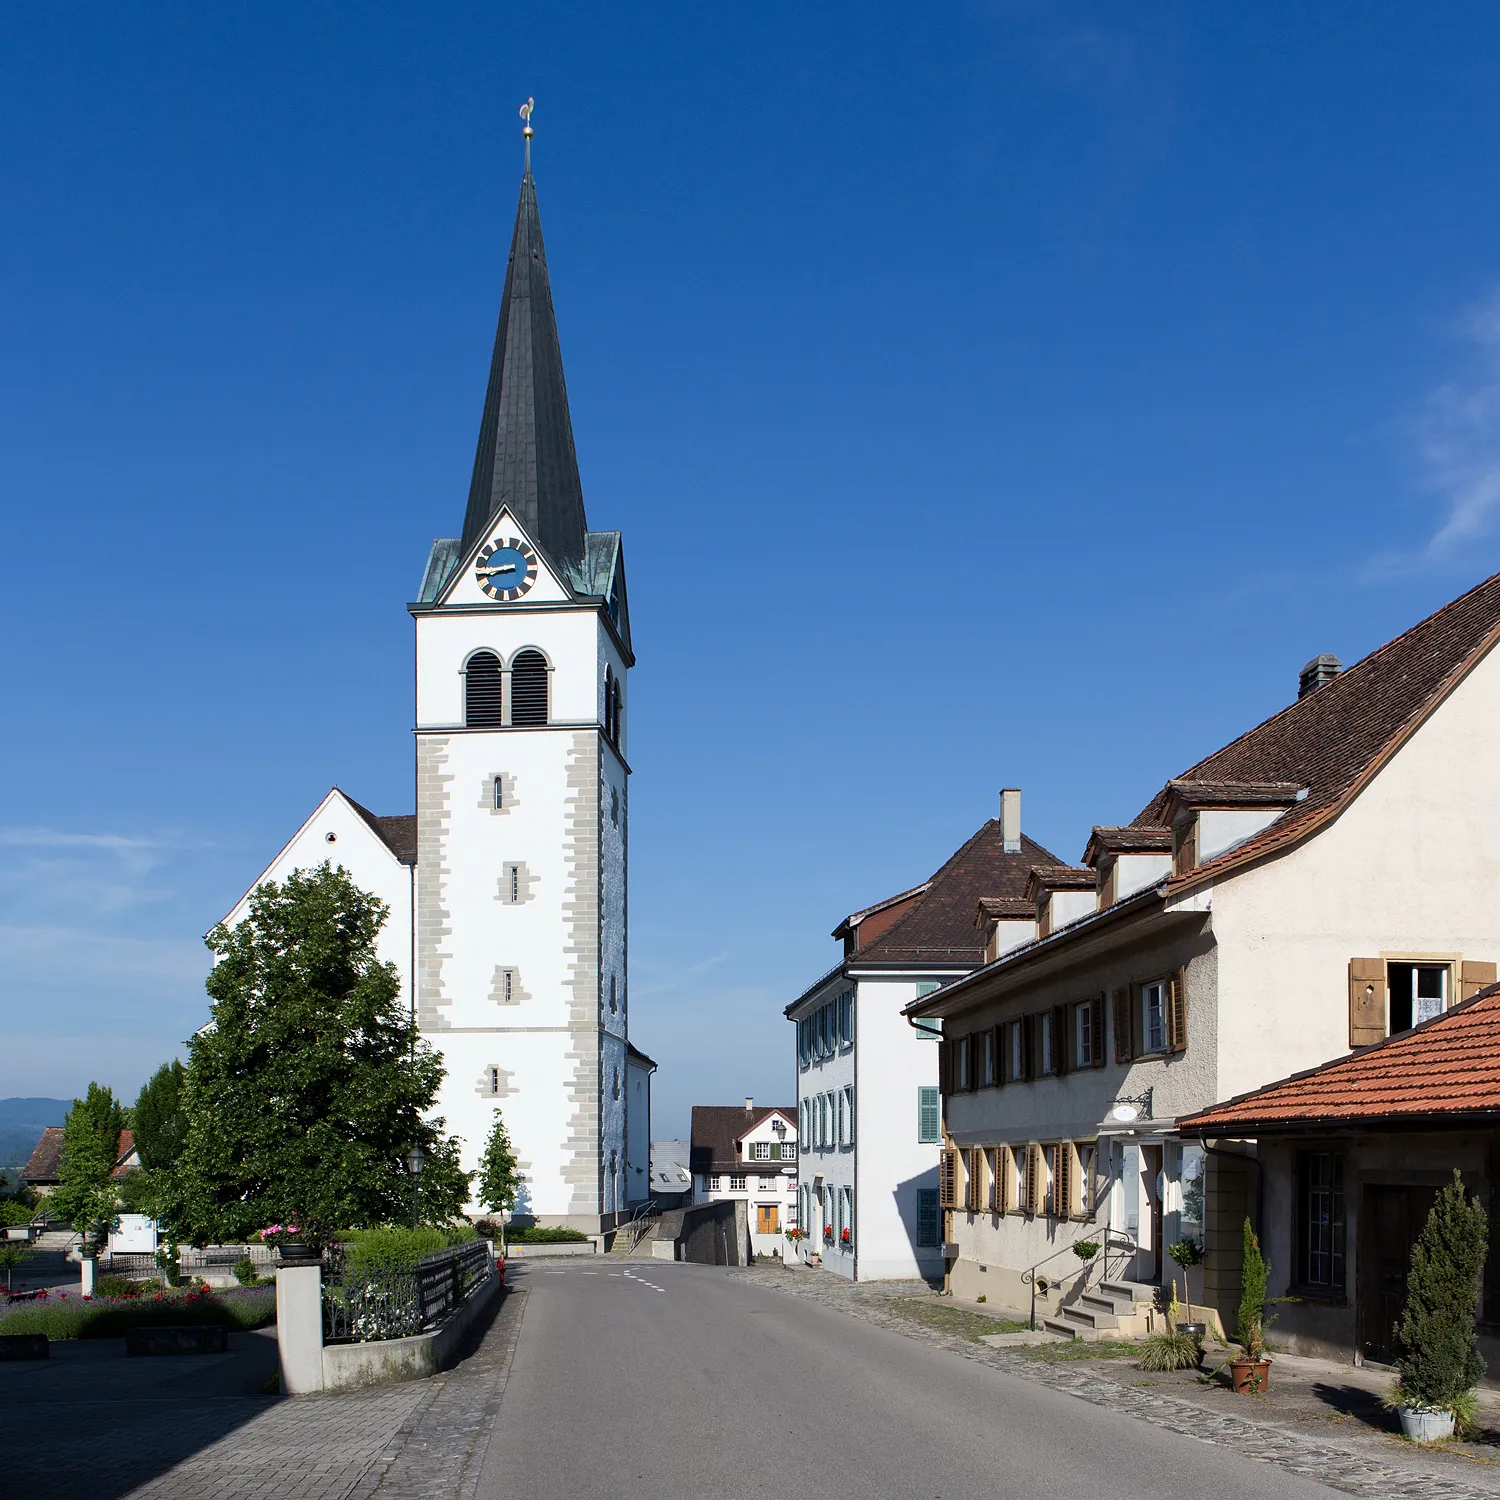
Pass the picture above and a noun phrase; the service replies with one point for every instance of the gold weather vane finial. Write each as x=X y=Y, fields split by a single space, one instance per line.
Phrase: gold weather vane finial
x=526 y=110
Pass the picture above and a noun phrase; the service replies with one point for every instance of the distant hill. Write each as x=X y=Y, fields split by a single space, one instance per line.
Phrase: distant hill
x=22 y=1122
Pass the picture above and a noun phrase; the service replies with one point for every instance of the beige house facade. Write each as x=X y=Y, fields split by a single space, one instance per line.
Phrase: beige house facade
x=1328 y=879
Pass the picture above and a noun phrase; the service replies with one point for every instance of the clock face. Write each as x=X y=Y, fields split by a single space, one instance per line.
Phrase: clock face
x=505 y=570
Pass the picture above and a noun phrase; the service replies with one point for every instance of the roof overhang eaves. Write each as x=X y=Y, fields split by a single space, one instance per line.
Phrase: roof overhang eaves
x=1067 y=945
x=1426 y=1121
x=815 y=989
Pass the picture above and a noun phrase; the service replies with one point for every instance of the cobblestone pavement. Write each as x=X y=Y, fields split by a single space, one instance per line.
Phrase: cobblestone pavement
x=88 y=1424
x=1380 y=1466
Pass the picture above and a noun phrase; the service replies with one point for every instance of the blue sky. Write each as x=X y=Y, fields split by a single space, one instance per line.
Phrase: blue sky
x=1009 y=393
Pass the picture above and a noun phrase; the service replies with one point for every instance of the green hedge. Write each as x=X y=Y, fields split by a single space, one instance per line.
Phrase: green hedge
x=535 y=1234
x=391 y=1246
x=67 y=1316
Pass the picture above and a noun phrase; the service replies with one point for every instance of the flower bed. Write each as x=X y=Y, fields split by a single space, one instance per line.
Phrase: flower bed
x=66 y=1315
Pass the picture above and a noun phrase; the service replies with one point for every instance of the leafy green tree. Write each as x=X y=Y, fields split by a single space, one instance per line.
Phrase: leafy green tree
x=499 y=1172
x=1439 y=1361
x=86 y=1195
x=13 y=1253
x=160 y=1124
x=309 y=1085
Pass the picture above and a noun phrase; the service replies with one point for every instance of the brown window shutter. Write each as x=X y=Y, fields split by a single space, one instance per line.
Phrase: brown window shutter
x=1060 y=1180
x=1003 y=1173
x=999 y=1035
x=1473 y=977
x=975 y=1040
x=1028 y=1048
x=1096 y=1030
x=948 y=1179
x=1177 y=1012
x=1124 y=1032
x=1029 y=1183
x=1061 y=1041
x=1366 y=1001
x=945 y=1067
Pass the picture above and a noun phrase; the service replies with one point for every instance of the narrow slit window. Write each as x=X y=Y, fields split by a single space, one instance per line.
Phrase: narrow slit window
x=499 y=794
x=494 y=1080
x=513 y=883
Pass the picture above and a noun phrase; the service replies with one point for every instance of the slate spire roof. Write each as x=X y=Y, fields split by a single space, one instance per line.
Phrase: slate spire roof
x=525 y=457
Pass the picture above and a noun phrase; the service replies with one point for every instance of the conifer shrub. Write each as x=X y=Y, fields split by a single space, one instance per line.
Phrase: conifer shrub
x=1439 y=1362
x=1250 y=1325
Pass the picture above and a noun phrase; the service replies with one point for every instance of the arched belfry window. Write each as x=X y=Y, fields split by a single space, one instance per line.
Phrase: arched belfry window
x=528 y=688
x=482 y=691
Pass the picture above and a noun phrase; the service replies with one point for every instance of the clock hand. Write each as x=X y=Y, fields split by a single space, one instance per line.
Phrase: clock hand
x=490 y=572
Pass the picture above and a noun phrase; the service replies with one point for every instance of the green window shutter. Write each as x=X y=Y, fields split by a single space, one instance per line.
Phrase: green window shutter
x=929 y=1116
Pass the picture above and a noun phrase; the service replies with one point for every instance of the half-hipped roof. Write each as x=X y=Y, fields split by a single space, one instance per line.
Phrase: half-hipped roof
x=1333 y=740
x=717 y=1127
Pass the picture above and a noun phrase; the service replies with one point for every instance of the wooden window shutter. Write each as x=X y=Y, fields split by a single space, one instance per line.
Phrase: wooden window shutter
x=974 y=1060
x=975 y=1194
x=945 y=1066
x=1124 y=1032
x=1062 y=1182
x=948 y=1179
x=1473 y=977
x=999 y=1035
x=1177 y=1012
x=1062 y=1043
x=997 y=1184
x=1028 y=1048
x=1366 y=1001
x=1096 y=1030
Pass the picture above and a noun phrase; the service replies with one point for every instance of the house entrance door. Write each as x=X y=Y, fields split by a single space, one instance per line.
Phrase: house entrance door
x=1390 y=1220
x=766 y=1218
x=1153 y=1181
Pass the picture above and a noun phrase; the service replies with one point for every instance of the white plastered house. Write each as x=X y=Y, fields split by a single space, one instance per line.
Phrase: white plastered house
x=1328 y=878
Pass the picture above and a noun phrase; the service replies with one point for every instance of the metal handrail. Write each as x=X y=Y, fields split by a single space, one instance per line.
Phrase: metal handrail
x=1028 y=1277
x=642 y=1220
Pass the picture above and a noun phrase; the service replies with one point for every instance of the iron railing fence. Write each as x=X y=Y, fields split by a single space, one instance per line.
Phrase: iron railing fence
x=365 y=1302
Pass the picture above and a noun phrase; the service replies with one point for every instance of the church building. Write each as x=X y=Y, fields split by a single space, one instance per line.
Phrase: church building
x=507 y=888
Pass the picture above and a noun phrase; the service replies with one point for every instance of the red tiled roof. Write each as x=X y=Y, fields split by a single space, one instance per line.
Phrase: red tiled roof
x=123 y=1153
x=939 y=928
x=1449 y=1066
x=1336 y=737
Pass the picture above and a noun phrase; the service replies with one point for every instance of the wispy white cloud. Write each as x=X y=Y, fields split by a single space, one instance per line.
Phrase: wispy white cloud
x=53 y=838
x=1459 y=433
x=55 y=873
x=59 y=957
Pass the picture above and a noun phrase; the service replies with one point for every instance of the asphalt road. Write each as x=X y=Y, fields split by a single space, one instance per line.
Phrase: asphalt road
x=685 y=1383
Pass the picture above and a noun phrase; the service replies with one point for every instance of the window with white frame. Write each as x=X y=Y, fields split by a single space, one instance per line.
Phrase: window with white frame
x=1049 y=1043
x=929 y=1116
x=791 y=1210
x=846 y=1215
x=846 y=1019
x=965 y=1079
x=713 y=1184
x=987 y=1078
x=848 y=1097
x=1083 y=1035
x=1017 y=1033
x=1154 y=1016
x=765 y=1184
x=827 y=1208
x=804 y=1131
x=842 y=1126
x=736 y=1182
x=822 y=1122
x=760 y=1150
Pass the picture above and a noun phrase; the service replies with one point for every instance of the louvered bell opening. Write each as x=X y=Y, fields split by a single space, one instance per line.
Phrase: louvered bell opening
x=528 y=688
x=482 y=691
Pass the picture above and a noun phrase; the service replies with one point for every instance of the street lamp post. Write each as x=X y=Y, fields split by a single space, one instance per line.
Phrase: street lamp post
x=415 y=1161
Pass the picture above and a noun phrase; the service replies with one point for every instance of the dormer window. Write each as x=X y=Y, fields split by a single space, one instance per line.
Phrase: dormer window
x=1185 y=845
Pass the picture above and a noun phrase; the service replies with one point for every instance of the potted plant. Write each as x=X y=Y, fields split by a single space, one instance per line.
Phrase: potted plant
x=1252 y=1371
x=828 y=1234
x=846 y=1237
x=1188 y=1253
x=1439 y=1364
x=291 y=1244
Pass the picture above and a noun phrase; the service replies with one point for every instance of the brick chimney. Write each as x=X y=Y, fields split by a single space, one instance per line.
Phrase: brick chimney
x=1010 y=819
x=1319 y=670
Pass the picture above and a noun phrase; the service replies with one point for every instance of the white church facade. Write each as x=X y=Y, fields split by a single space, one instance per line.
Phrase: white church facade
x=508 y=887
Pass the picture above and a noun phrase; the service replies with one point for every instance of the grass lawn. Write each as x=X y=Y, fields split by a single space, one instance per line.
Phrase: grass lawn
x=74 y=1317
x=959 y=1321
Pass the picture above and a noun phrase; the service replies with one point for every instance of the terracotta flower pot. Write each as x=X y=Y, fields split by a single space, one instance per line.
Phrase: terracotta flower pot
x=1250 y=1376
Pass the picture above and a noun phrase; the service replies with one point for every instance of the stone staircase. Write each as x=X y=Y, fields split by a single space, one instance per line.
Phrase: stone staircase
x=1110 y=1310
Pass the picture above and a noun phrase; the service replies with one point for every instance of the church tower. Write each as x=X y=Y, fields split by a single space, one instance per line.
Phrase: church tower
x=523 y=649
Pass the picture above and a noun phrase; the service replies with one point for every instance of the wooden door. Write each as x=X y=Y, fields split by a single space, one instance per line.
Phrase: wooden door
x=1391 y=1218
x=767 y=1218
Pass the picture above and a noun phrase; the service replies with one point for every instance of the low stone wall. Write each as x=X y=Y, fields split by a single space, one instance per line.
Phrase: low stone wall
x=549 y=1252
x=348 y=1367
x=715 y=1234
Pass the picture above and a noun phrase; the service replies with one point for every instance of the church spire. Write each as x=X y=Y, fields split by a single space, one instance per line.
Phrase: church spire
x=525 y=458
